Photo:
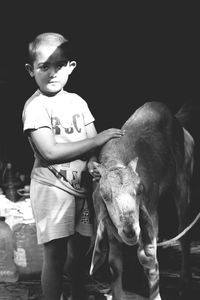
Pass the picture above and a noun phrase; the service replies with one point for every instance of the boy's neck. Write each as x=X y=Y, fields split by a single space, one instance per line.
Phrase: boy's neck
x=51 y=94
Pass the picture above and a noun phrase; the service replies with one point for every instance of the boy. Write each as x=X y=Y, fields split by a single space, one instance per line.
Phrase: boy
x=61 y=131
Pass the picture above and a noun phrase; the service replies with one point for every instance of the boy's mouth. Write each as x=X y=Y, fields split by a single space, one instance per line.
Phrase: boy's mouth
x=53 y=82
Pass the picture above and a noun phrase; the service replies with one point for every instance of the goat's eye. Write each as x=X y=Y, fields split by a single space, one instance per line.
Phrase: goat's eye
x=140 y=189
x=105 y=196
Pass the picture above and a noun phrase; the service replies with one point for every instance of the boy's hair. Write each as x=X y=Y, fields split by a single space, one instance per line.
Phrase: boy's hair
x=49 y=38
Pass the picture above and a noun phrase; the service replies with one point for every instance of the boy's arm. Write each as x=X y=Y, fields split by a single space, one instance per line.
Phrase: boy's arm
x=43 y=139
x=91 y=132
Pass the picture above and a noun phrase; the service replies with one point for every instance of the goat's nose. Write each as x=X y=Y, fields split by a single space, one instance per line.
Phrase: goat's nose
x=129 y=232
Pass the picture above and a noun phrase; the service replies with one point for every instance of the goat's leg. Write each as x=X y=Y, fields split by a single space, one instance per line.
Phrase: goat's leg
x=148 y=259
x=182 y=200
x=116 y=268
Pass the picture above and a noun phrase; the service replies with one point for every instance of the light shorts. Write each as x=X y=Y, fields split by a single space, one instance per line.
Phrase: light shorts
x=57 y=213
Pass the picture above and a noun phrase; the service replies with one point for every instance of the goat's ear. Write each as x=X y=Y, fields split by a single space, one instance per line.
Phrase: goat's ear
x=133 y=164
x=100 y=168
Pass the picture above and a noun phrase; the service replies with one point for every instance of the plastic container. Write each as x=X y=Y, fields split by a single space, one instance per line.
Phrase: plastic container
x=8 y=269
x=10 y=183
x=28 y=254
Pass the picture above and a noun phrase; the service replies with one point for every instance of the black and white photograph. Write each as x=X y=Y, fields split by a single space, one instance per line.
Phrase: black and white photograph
x=99 y=151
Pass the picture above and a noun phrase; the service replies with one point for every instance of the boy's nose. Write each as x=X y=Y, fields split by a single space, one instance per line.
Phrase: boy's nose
x=52 y=72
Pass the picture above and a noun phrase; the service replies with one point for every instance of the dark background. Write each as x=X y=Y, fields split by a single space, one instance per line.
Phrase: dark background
x=127 y=54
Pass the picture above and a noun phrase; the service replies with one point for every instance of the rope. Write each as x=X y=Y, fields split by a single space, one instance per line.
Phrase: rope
x=173 y=240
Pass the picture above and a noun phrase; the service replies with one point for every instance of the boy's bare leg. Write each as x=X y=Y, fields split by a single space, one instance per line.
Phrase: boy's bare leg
x=55 y=253
x=76 y=266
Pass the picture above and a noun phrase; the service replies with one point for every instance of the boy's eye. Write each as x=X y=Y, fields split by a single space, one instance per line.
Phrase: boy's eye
x=44 y=67
x=63 y=64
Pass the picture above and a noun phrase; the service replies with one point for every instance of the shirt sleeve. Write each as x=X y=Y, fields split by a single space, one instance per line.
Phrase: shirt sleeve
x=35 y=116
x=87 y=115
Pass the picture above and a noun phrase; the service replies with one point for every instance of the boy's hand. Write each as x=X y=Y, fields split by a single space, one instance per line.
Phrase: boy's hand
x=93 y=171
x=106 y=135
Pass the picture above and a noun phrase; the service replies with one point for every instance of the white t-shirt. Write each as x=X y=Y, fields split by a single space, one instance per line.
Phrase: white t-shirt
x=66 y=114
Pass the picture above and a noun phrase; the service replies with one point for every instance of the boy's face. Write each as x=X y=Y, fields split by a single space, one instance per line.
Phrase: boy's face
x=51 y=69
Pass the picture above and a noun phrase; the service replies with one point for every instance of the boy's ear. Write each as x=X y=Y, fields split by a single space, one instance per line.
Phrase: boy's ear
x=29 y=68
x=72 y=66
